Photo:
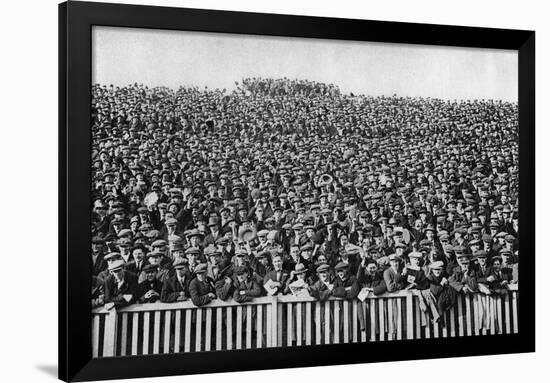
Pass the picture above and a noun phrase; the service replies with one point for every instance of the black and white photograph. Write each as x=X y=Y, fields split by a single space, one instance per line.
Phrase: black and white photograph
x=253 y=191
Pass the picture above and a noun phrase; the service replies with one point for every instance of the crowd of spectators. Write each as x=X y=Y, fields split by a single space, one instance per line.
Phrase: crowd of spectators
x=284 y=186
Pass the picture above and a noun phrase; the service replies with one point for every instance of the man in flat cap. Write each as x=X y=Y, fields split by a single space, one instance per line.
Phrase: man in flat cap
x=245 y=287
x=150 y=289
x=345 y=284
x=121 y=285
x=201 y=288
x=322 y=289
x=175 y=288
x=393 y=275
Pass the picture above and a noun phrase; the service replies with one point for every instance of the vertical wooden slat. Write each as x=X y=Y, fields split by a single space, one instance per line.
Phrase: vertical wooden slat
x=389 y=307
x=492 y=315
x=187 y=344
x=336 y=313
x=135 y=321
x=308 y=323
x=355 y=319
x=280 y=324
x=399 y=319
x=156 y=333
x=436 y=328
x=95 y=336
x=484 y=306
x=372 y=311
x=177 y=331
x=460 y=316
x=249 y=326
x=167 y=332
x=381 y=327
x=499 y=314
x=428 y=327
x=198 y=331
x=239 y=327
x=445 y=325
x=123 y=334
x=318 y=322
x=208 y=330
x=219 y=335
x=109 y=339
x=289 y=318
x=452 y=313
x=417 y=319
x=269 y=325
x=468 y=315
x=346 y=321
x=475 y=300
x=299 y=324
x=274 y=323
x=410 y=315
x=507 y=312
x=259 y=325
x=327 y=322
x=146 y=317
x=515 y=311
x=229 y=325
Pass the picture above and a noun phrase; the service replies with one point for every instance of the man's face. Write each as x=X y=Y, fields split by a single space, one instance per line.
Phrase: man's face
x=124 y=249
x=341 y=274
x=138 y=254
x=181 y=272
x=294 y=252
x=154 y=260
x=201 y=276
x=323 y=276
x=344 y=241
x=118 y=274
x=437 y=272
x=242 y=277
x=96 y=247
x=371 y=268
x=277 y=263
x=150 y=275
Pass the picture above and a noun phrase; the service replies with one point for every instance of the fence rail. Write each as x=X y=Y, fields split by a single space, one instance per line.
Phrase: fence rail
x=279 y=321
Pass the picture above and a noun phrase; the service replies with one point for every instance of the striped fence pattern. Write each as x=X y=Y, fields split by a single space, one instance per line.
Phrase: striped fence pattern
x=282 y=321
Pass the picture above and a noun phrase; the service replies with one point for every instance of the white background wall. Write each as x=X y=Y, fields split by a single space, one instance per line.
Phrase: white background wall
x=28 y=187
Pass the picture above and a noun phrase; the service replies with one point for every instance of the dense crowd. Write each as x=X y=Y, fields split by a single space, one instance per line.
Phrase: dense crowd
x=292 y=187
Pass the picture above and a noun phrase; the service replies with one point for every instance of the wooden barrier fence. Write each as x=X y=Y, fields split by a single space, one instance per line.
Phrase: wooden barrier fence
x=281 y=321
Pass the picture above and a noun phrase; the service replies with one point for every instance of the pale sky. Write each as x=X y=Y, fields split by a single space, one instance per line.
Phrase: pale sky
x=122 y=56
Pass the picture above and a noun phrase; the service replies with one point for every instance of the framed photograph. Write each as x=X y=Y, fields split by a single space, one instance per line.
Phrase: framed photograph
x=282 y=191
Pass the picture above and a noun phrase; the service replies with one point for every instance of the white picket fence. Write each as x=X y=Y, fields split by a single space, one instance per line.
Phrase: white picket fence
x=285 y=321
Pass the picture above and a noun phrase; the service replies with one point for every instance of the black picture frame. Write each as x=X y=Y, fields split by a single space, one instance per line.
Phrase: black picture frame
x=75 y=26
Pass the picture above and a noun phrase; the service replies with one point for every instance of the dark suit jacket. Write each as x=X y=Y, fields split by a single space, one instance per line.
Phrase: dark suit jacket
x=246 y=291
x=420 y=279
x=171 y=288
x=375 y=282
x=283 y=278
x=320 y=291
x=340 y=287
x=115 y=294
x=132 y=266
x=199 y=291
x=145 y=286
x=394 y=281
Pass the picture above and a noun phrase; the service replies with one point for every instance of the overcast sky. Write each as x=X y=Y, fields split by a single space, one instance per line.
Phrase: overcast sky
x=172 y=58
